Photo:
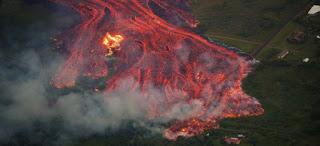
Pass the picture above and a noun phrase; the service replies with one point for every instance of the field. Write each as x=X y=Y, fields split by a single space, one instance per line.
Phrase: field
x=287 y=88
x=245 y=23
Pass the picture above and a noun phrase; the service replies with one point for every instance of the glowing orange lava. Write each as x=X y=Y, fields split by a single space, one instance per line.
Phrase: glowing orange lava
x=112 y=42
x=161 y=50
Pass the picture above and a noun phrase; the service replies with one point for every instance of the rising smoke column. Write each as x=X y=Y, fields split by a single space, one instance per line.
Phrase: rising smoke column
x=198 y=83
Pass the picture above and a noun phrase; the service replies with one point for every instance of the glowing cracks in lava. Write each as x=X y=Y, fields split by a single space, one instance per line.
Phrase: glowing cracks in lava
x=112 y=42
x=202 y=72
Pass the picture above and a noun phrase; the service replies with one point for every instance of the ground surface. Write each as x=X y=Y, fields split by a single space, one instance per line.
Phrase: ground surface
x=287 y=88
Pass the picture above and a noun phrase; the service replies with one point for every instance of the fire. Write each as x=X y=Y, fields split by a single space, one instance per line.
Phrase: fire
x=184 y=130
x=112 y=42
x=160 y=51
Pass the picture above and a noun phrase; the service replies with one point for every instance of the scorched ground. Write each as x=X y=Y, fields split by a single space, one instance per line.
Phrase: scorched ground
x=152 y=44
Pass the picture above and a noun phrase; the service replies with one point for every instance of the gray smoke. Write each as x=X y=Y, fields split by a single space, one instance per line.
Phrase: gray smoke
x=29 y=99
x=30 y=108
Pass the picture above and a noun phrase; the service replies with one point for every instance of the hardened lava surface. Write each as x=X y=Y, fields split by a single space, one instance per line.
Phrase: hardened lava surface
x=152 y=44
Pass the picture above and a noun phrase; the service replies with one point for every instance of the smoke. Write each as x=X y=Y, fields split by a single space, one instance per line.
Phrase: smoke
x=34 y=112
x=29 y=98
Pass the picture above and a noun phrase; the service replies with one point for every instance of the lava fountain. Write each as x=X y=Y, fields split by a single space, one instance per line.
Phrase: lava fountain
x=153 y=43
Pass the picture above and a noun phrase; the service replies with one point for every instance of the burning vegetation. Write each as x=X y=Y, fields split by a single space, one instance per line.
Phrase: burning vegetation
x=153 y=44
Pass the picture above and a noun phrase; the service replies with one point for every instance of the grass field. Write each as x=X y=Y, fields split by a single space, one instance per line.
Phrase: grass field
x=309 y=49
x=244 y=20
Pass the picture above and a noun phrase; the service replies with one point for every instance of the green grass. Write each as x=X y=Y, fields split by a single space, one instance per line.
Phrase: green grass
x=279 y=43
x=244 y=20
x=287 y=91
x=297 y=51
x=280 y=39
x=255 y=20
x=245 y=45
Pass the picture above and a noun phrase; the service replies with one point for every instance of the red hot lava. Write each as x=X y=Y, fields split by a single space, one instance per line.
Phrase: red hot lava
x=152 y=43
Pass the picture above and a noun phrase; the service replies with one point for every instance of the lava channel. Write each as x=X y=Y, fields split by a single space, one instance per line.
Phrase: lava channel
x=153 y=43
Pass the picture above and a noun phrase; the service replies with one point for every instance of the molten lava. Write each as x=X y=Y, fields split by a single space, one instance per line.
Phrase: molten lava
x=112 y=42
x=159 y=52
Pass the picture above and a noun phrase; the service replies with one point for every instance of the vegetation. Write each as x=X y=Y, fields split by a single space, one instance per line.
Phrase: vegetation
x=245 y=24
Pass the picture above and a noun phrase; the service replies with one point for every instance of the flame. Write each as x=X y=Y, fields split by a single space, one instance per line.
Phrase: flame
x=112 y=42
x=184 y=130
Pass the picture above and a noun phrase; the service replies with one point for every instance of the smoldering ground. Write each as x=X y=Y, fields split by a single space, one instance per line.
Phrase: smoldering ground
x=32 y=111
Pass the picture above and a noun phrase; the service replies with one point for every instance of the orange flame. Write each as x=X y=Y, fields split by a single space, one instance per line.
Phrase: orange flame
x=112 y=42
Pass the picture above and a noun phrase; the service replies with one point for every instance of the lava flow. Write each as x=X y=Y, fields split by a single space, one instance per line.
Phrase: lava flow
x=112 y=42
x=152 y=43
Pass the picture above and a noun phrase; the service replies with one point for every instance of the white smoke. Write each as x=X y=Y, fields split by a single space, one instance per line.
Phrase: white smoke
x=83 y=113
